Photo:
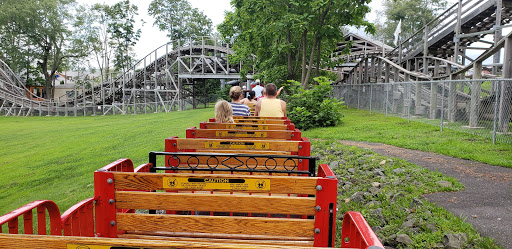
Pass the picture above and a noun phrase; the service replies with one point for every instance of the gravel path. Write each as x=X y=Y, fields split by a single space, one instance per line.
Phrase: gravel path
x=486 y=201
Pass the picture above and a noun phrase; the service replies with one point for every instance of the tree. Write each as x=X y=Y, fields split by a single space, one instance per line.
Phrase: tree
x=116 y=36
x=41 y=30
x=179 y=19
x=413 y=13
x=284 y=33
x=123 y=33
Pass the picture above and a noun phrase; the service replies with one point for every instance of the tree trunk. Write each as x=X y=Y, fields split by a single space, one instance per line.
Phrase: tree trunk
x=318 y=52
x=304 y=50
x=310 y=64
x=290 y=68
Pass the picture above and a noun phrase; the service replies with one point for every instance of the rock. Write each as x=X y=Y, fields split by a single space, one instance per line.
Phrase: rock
x=371 y=204
x=438 y=245
x=444 y=184
x=374 y=191
x=432 y=227
x=351 y=170
x=357 y=197
x=455 y=241
x=382 y=162
x=409 y=223
x=398 y=170
x=334 y=165
x=416 y=202
x=376 y=184
x=361 y=161
x=379 y=172
x=404 y=239
x=391 y=240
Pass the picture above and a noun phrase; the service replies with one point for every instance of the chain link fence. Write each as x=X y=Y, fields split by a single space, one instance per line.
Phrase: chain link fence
x=480 y=107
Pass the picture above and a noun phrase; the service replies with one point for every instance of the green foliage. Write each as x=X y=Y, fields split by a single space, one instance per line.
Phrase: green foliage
x=223 y=93
x=179 y=19
x=313 y=107
x=294 y=35
x=122 y=32
x=41 y=32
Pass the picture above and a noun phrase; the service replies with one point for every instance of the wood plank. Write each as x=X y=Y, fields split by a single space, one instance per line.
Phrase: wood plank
x=256 y=117
x=216 y=224
x=231 y=241
x=215 y=203
x=242 y=134
x=260 y=121
x=24 y=241
x=229 y=144
x=278 y=184
x=246 y=126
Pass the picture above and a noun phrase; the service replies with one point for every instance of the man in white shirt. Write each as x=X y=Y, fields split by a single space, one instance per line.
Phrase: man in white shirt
x=257 y=88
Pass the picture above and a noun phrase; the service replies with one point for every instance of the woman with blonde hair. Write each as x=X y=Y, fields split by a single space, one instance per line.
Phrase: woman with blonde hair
x=223 y=112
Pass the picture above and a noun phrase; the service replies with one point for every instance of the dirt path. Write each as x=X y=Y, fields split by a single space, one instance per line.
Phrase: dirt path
x=486 y=201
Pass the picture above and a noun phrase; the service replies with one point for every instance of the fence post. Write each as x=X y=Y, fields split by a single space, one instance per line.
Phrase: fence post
x=387 y=99
x=495 y=119
x=358 y=93
x=442 y=106
x=371 y=96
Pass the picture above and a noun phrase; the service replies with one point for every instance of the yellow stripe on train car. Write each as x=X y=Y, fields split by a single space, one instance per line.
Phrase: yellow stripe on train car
x=216 y=183
x=241 y=134
x=236 y=145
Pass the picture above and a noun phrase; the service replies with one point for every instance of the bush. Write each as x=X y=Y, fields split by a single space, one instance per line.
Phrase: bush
x=314 y=107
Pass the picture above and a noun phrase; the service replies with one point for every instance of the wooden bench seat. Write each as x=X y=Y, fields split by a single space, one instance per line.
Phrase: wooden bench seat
x=258 y=121
x=244 y=126
x=194 y=132
x=99 y=222
x=258 y=117
x=313 y=224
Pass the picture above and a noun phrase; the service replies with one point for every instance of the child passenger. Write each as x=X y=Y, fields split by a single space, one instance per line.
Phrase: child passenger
x=223 y=112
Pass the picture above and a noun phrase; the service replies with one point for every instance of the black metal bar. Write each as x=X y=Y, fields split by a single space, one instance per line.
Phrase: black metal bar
x=331 y=223
x=243 y=167
x=312 y=166
x=152 y=160
x=241 y=170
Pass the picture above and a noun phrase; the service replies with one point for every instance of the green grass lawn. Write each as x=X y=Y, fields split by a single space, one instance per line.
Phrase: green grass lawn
x=360 y=125
x=54 y=157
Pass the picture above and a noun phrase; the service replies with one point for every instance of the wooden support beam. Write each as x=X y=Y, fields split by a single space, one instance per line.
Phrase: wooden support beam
x=506 y=89
x=476 y=88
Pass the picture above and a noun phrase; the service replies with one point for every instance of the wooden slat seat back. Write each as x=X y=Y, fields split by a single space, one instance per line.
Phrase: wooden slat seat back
x=311 y=219
x=258 y=121
x=229 y=146
x=194 y=132
x=300 y=148
x=258 y=117
x=243 y=126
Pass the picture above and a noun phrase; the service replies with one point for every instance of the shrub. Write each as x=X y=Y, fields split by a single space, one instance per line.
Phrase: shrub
x=313 y=107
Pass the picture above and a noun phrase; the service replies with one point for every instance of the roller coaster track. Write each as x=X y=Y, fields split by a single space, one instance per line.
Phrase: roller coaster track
x=158 y=82
x=408 y=62
x=432 y=55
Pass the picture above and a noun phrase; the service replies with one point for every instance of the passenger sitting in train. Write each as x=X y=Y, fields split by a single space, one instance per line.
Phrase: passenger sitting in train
x=223 y=112
x=239 y=109
x=270 y=105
